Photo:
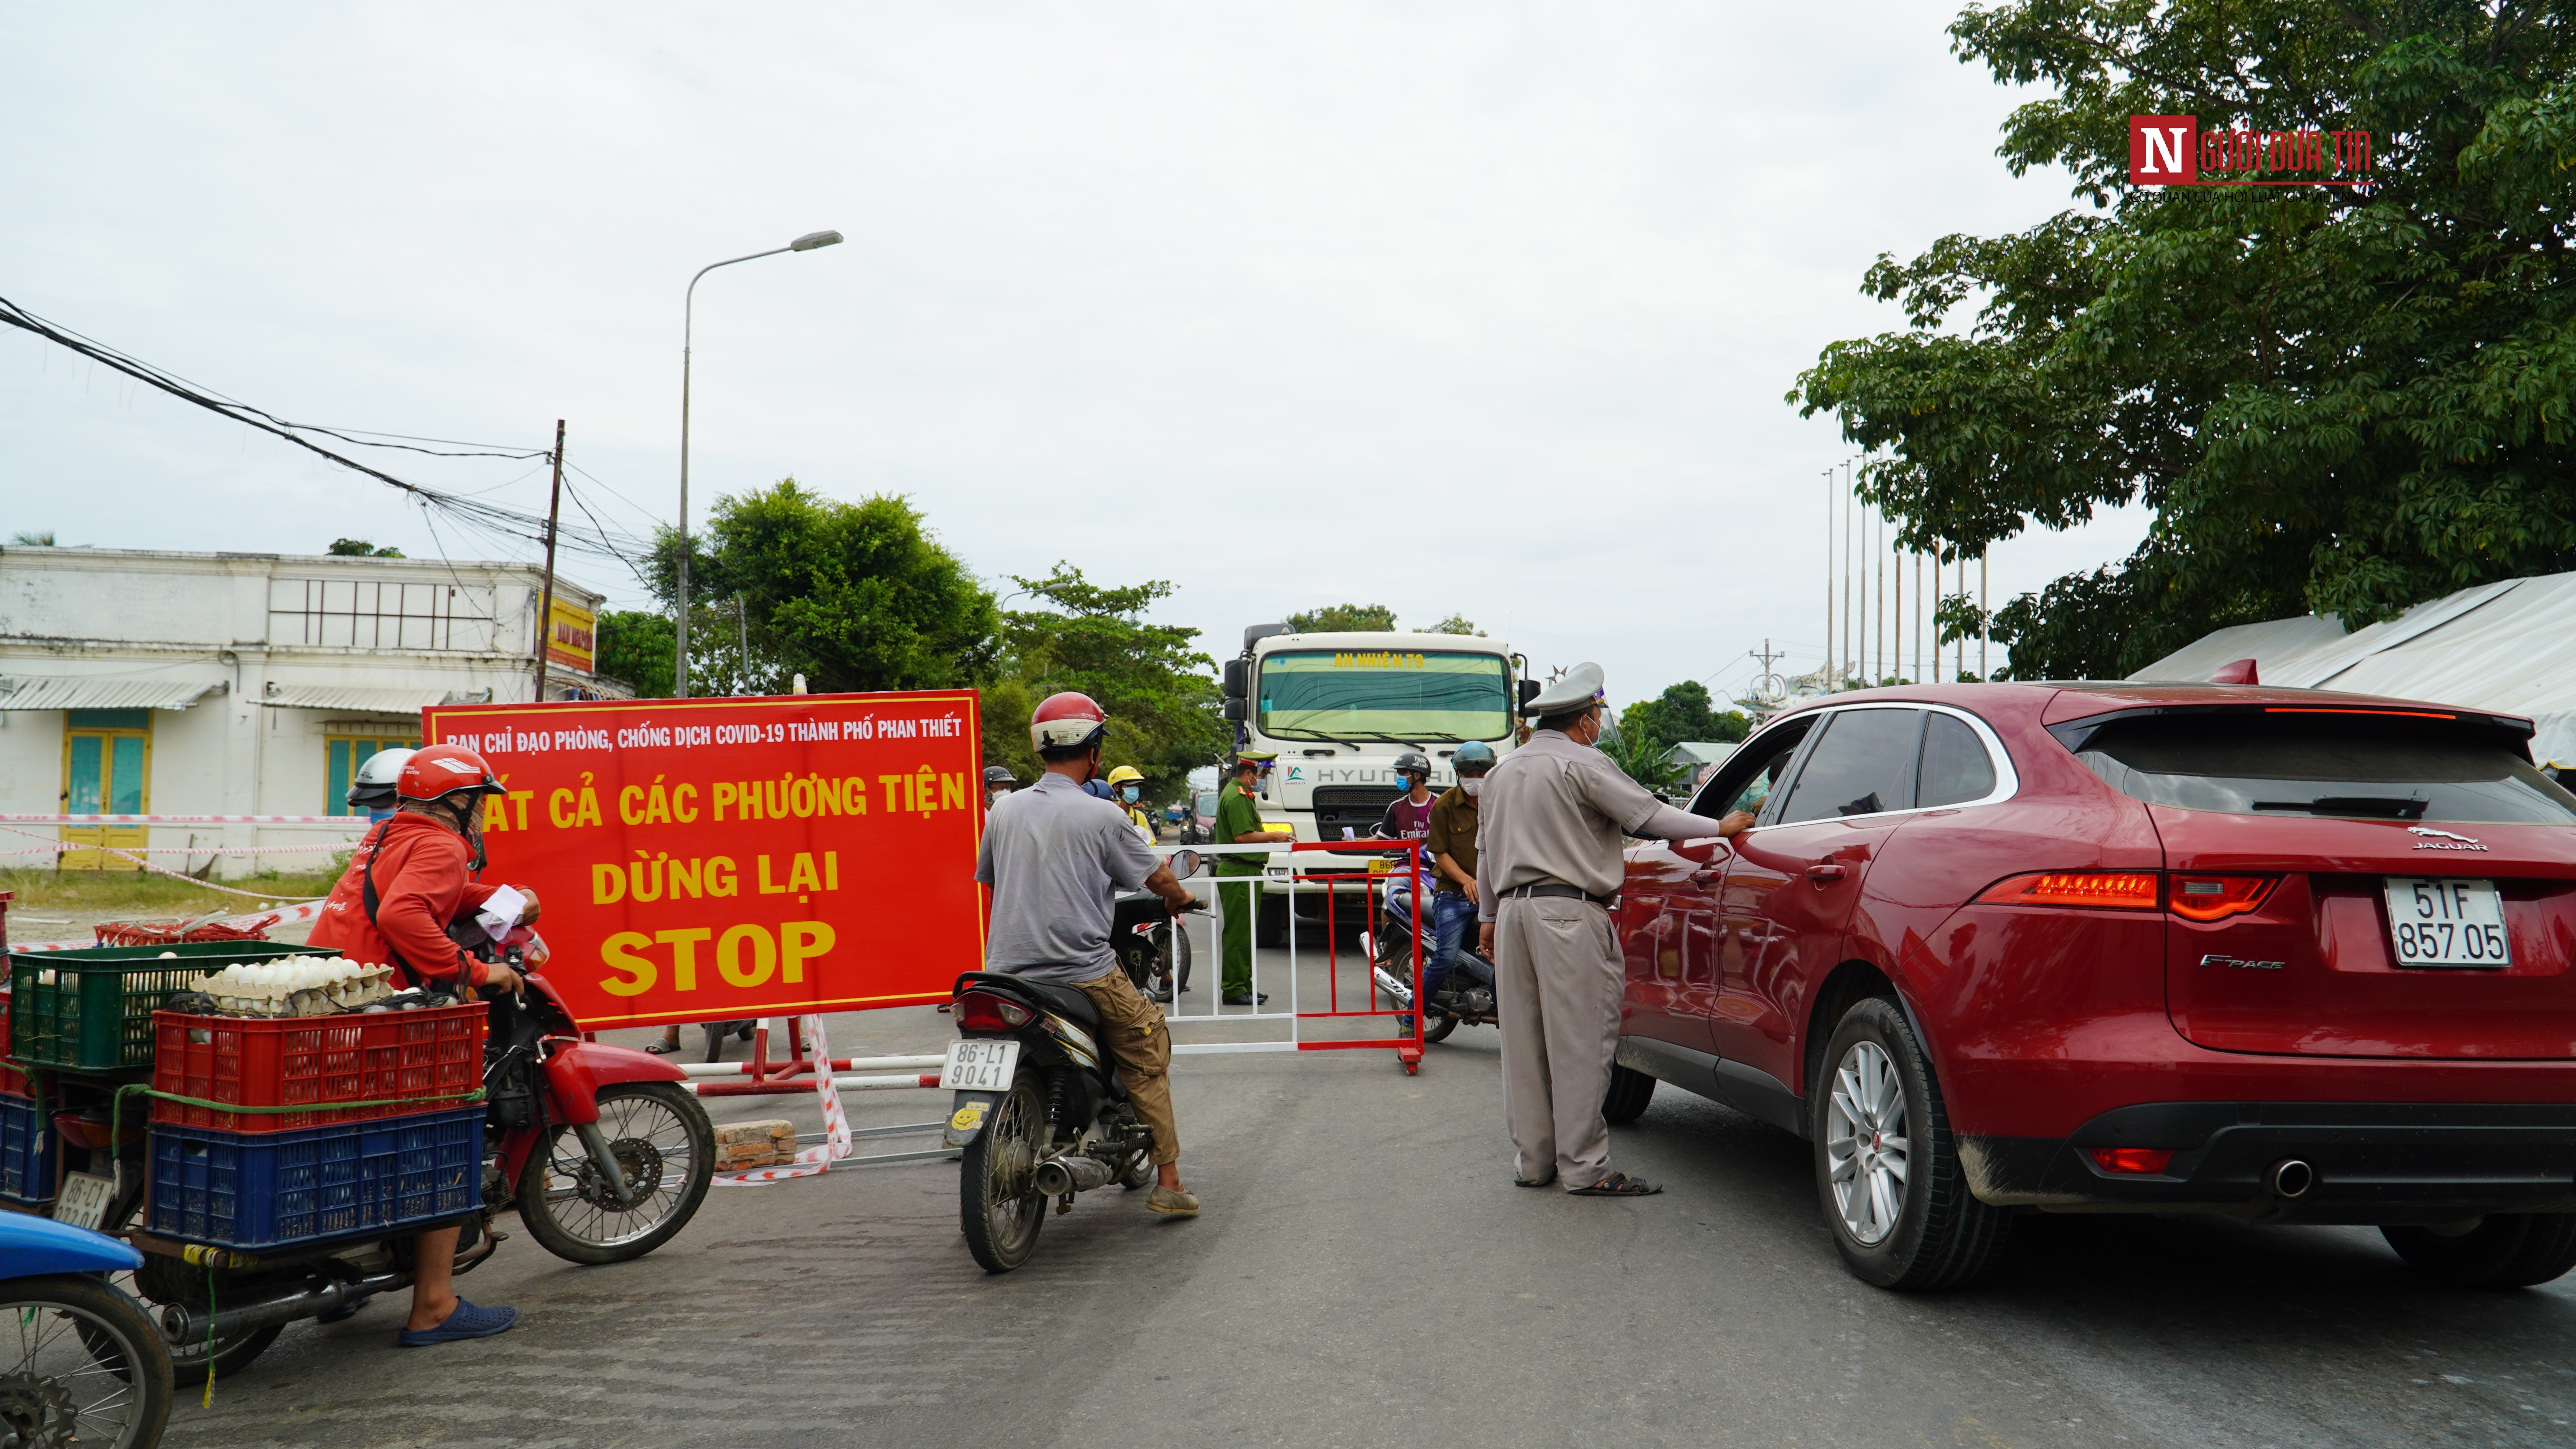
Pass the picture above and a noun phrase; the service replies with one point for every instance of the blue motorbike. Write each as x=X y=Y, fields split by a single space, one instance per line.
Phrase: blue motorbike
x=1465 y=999
x=80 y=1362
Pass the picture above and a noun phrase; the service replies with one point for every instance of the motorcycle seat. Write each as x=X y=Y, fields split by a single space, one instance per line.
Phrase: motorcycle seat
x=1064 y=1001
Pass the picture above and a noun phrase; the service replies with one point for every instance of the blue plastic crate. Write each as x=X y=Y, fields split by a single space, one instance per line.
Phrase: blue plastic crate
x=26 y=1151
x=266 y=1189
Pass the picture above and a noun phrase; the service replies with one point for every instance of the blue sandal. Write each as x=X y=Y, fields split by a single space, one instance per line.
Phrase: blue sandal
x=468 y=1321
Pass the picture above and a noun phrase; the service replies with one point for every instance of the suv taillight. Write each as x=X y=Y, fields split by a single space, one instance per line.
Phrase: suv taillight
x=984 y=1011
x=2131 y=890
x=2216 y=897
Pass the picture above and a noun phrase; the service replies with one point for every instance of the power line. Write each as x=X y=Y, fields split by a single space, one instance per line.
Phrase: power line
x=486 y=518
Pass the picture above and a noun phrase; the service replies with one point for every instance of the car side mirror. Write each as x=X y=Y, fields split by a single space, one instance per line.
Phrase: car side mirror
x=1238 y=708
x=1234 y=678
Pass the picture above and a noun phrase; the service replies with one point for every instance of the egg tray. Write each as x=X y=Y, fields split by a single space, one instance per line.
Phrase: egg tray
x=91 y=1010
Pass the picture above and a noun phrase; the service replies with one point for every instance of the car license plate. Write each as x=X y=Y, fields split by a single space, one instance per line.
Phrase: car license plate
x=980 y=1066
x=2446 y=922
x=83 y=1202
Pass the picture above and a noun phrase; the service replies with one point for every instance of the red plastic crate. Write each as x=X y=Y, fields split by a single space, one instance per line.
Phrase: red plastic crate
x=12 y=1080
x=404 y=1057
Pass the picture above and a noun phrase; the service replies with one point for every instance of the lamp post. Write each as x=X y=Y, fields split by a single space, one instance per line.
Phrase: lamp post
x=688 y=309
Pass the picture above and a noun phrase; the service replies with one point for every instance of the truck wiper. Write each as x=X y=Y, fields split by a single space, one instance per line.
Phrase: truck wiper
x=2389 y=807
x=1390 y=740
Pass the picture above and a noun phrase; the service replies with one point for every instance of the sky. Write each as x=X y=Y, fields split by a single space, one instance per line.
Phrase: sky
x=1460 y=308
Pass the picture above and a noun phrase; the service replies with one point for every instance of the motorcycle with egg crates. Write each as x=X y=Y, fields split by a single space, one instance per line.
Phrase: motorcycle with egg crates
x=1039 y=1115
x=602 y=1151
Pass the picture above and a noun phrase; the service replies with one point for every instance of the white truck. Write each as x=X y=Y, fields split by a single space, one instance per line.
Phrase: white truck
x=1337 y=709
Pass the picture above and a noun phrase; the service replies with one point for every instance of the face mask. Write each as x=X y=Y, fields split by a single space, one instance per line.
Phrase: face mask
x=1473 y=788
x=1128 y=794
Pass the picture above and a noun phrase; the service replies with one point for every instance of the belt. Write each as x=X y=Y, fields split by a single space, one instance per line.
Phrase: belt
x=1520 y=893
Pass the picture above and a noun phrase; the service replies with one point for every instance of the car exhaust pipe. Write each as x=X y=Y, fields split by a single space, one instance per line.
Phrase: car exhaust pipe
x=182 y=1324
x=2290 y=1177
x=1060 y=1175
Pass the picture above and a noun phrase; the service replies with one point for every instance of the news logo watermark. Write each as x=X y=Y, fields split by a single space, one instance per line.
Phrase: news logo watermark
x=2174 y=151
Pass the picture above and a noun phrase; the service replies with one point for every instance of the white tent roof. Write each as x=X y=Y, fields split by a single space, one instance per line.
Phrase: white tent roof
x=2508 y=646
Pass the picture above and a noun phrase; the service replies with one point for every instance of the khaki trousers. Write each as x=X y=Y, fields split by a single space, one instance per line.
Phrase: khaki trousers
x=1558 y=983
x=1142 y=1047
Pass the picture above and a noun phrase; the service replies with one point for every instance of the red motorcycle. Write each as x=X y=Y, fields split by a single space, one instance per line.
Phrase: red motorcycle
x=602 y=1150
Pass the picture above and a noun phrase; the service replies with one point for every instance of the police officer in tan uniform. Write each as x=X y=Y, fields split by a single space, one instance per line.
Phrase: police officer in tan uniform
x=1549 y=864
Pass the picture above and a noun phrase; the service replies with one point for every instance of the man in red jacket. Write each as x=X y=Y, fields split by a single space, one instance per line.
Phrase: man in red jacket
x=411 y=877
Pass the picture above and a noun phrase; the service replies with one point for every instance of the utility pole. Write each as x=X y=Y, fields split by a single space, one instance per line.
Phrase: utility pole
x=1825 y=674
x=1982 y=672
x=546 y=607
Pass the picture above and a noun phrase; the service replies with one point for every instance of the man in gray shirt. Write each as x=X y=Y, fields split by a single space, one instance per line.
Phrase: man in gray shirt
x=1547 y=866
x=1056 y=857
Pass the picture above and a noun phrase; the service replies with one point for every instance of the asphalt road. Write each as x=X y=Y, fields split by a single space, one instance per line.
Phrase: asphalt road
x=1366 y=1274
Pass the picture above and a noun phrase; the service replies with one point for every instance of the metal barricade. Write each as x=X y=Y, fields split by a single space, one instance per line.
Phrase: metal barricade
x=1345 y=893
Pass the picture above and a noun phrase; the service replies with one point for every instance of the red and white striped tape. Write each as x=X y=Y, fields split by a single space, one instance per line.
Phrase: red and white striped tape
x=345 y=821
x=818 y=1159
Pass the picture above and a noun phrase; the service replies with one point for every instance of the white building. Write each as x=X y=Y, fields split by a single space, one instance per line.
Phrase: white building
x=137 y=682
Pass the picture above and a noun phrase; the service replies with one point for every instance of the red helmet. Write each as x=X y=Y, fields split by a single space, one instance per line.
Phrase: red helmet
x=1068 y=721
x=443 y=770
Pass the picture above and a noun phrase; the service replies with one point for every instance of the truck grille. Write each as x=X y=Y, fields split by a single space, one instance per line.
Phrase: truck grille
x=1357 y=806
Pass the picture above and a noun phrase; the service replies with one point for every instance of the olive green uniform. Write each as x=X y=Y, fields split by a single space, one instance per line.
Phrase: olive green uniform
x=1239 y=899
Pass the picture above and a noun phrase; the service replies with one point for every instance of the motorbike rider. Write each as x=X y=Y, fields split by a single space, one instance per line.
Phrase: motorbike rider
x=1127 y=783
x=1055 y=860
x=410 y=877
x=1452 y=845
x=998 y=782
x=373 y=789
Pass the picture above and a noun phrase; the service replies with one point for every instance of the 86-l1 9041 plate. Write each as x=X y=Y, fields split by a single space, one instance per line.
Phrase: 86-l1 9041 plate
x=2446 y=923
x=980 y=1066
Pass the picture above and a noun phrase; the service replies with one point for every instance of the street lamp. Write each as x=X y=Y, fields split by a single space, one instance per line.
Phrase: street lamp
x=806 y=243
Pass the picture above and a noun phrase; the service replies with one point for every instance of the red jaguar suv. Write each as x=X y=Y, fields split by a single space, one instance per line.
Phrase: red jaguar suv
x=1995 y=949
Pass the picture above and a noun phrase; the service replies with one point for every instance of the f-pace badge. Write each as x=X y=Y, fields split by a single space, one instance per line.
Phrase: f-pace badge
x=2214 y=959
x=2441 y=839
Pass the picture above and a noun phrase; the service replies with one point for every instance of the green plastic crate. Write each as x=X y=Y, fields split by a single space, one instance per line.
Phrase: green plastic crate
x=95 y=1014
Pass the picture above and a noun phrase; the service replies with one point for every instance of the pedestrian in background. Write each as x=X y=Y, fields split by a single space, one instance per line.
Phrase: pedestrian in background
x=1548 y=868
x=1238 y=877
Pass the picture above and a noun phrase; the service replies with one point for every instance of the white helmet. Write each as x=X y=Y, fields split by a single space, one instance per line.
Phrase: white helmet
x=1068 y=721
x=374 y=787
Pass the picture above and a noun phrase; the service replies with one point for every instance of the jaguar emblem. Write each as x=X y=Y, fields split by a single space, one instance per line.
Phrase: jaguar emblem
x=2441 y=839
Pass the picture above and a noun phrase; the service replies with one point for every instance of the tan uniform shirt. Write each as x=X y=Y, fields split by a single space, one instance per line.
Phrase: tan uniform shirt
x=1555 y=812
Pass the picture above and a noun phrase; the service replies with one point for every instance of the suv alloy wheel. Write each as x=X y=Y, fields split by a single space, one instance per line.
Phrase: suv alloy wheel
x=1887 y=1167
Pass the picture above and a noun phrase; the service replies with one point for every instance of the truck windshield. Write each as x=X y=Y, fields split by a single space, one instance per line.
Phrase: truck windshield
x=2366 y=767
x=1324 y=694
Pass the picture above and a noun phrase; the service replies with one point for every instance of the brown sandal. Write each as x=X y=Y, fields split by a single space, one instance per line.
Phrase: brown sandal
x=1617 y=1184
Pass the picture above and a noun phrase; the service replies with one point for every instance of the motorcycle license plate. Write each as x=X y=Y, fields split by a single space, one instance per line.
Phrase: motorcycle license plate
x=2446 y=922
x=83 y=1202
x=979 y=1066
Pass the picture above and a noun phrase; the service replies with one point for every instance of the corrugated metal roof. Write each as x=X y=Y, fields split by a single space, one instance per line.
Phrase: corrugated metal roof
x=379 y=700
x=2508 y=646
x=19 y=691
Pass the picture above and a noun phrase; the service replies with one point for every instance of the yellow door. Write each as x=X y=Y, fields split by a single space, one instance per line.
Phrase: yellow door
x=107 y=770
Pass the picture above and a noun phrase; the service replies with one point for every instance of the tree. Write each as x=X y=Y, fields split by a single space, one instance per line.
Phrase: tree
x=1160 y=692
x=854 y=596
x=636 y=648
x=1344 y=619
x=360 y=548
x=1644 y=760
x=2334 y=398
x=1457 y=624
x=1682 y=712
x=33 y=539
